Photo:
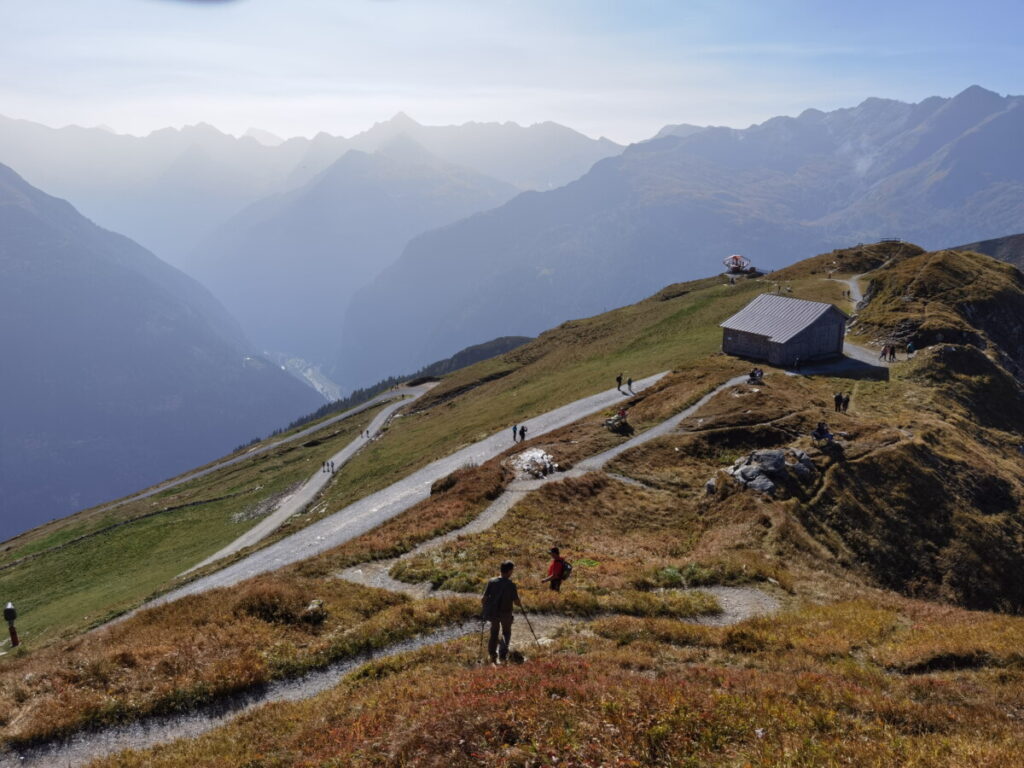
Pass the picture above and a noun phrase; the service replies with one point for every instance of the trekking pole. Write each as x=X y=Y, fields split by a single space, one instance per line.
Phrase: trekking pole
x=521 y=608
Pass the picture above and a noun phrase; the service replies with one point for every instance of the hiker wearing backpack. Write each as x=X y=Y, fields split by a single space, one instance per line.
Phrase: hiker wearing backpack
x=558 y=571
x=499 y=597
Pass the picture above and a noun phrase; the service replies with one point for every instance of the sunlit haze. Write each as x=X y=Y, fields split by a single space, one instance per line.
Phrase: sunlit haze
x=620 y=70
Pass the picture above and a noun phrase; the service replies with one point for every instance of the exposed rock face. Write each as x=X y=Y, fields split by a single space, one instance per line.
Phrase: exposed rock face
x=765 y=470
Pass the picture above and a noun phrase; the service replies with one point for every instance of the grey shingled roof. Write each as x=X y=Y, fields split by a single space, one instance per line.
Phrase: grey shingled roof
x=780 y=318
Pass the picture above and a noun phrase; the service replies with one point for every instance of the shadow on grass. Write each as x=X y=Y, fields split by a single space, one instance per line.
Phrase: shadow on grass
x=846 y=368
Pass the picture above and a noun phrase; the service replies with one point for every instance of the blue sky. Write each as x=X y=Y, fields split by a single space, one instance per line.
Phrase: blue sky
x=620 y=69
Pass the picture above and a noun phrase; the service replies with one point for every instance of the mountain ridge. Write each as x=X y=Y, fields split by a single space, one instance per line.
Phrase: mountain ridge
x=313 y=246
x=672 y=208
x=115 y=179
x=119 y=369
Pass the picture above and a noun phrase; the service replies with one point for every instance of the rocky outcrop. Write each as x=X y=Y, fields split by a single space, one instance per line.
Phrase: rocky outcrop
x=767 y=471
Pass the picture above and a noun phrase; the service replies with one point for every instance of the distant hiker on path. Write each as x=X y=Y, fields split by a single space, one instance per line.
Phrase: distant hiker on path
x=332 y=467
x=522 y=433
x=515 y=431
x=556 y=570
x=499 y=597
x=629 y=386
x=910 y=349
x=846 y=401
x=839 y=401
x=618 y=382
x=892 y=353
x=885 y=353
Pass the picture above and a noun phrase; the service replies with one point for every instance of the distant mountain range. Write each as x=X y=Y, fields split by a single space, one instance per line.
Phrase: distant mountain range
x=169 y=190
x=118 y=370
x=669 y=209
x=286 y=266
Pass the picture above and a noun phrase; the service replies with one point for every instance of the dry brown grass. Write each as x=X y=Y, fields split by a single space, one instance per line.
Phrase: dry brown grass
x=802 y=690
x=175 y=656
x=610 y=529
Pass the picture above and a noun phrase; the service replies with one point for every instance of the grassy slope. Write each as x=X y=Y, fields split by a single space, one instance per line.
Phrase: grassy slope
x=848 y=674
x=78 y=586
x=675 y=329
x=71 y=582
x=843 y=684
x=653 y=691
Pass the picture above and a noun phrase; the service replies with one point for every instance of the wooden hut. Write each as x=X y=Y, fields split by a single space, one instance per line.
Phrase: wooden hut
x=782 y=330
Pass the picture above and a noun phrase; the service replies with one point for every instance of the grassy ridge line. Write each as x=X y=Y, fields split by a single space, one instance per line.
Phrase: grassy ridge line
x=577 y=358
x=668 y=330
x=677 y=327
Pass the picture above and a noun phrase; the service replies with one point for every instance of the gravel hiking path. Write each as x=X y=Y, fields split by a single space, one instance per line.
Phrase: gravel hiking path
x=377 y=573
x=737 y=603
x=369 y=512
x=86 y=746
x=301 y=498
x=391 y=394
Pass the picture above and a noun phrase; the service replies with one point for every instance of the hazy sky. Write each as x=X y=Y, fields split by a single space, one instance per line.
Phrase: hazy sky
x=620 y=69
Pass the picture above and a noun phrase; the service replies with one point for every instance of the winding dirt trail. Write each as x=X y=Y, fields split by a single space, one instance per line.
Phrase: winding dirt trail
x=737 y=604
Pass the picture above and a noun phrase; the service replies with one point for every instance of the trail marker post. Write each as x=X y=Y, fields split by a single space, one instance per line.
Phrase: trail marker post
x=10 y=614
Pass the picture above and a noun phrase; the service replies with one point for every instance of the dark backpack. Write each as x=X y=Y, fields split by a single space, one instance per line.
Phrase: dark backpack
x=566 y=570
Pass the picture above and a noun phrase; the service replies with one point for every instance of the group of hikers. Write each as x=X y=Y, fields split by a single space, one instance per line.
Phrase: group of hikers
x=756 y=376
x=629 y=385
x=888 y=353
x=842 y=402
x=518 y=433
x=328 y=467
x=501 y=595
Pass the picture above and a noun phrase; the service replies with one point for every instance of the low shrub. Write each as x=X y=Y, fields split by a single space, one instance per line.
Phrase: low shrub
x=272 y=603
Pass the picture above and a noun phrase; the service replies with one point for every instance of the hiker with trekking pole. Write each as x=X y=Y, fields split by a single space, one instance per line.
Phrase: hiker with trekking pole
x=499 y=597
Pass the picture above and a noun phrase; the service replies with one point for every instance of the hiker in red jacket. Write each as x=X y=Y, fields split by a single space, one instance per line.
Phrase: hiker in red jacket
x=556 y=571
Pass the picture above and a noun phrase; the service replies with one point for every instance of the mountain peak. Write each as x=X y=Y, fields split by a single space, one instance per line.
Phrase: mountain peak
x=976 y=91
x=402 y=120
x=976 y=96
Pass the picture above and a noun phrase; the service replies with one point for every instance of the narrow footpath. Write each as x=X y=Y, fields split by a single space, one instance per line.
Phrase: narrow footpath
x=296 y=502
